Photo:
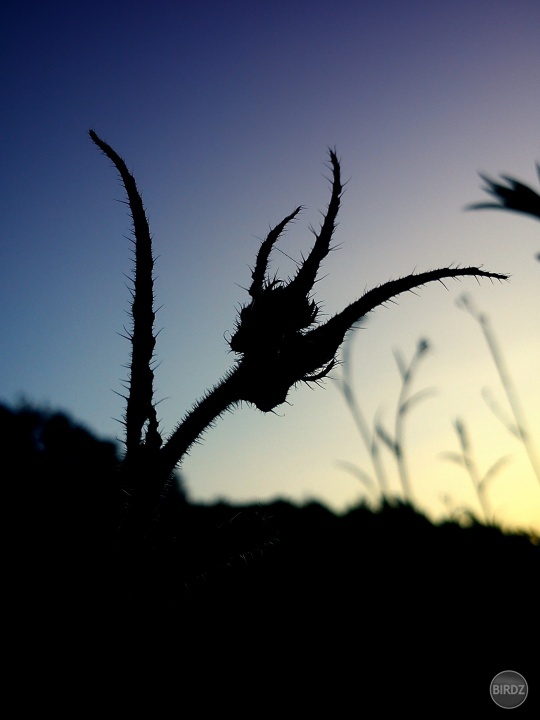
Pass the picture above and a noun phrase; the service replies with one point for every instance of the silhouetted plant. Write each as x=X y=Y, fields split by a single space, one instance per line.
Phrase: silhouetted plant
x=276 y=339
x=466 y=458
x=514 y=196
x=519 y=427
x=378 y=487
x=405 y=402
x=371 y=438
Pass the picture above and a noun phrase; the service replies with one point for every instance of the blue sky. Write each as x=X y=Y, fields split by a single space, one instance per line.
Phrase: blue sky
x=224 y=112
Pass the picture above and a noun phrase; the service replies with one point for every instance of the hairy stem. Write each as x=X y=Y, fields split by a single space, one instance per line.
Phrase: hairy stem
x=140 y=407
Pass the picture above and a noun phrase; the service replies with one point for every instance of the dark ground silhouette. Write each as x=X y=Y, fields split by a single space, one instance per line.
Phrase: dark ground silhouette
x=241 y=609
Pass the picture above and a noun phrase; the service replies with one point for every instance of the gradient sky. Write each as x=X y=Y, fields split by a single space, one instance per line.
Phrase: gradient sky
x=224 y=112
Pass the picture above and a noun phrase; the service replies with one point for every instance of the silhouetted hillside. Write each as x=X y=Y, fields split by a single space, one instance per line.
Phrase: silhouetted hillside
x=247 y=607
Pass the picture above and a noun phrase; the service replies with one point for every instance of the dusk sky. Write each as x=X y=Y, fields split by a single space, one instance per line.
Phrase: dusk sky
x=224 y=112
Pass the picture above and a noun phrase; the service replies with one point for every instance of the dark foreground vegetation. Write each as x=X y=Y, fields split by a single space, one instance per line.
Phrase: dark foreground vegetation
x=238 y=609
x=120 y=590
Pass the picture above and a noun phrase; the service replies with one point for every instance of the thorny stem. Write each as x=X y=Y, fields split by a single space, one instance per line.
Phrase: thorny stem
x=276 y=339
x=140 y=408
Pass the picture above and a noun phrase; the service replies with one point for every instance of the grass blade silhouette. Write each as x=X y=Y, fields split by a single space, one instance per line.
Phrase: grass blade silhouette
x=369 y=437
x=405 y=402
x=466 y=459
x=520 y=426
